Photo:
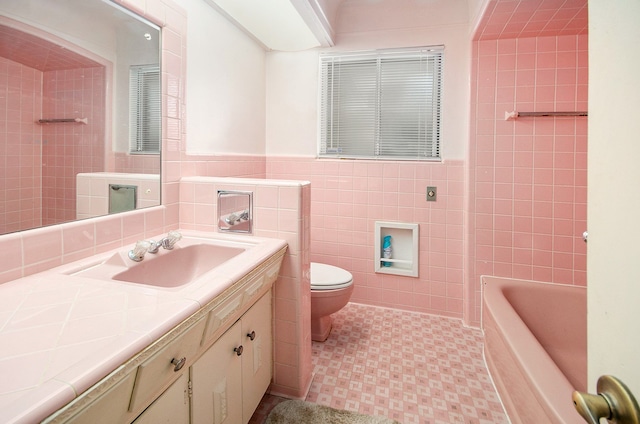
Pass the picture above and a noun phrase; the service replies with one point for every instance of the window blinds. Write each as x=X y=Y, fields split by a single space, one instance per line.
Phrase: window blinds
x=144 y=104
x=381 y=105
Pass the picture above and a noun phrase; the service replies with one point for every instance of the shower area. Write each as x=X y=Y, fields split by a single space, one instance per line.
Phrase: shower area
x=528 y=197
x=528 y=174
x=43 y=156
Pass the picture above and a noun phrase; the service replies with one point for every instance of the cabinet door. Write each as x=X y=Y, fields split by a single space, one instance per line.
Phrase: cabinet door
x=172 y=407
x=217 y=382
x=257 y=356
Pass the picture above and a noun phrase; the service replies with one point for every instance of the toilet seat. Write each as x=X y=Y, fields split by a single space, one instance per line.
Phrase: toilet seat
x=329 y=277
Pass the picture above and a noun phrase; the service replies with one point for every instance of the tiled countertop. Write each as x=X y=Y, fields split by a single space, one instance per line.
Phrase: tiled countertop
x=60 y=334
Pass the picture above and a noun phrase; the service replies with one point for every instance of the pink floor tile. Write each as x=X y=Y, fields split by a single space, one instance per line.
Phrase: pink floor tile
x=407 y=366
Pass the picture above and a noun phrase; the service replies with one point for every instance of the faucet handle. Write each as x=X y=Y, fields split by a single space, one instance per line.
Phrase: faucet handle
x=138 y=251
x=174 y=236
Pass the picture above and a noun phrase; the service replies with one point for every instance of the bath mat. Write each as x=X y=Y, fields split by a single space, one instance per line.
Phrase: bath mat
x=298 y=412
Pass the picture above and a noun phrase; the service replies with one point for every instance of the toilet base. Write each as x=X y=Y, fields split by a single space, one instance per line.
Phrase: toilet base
x=321 y=328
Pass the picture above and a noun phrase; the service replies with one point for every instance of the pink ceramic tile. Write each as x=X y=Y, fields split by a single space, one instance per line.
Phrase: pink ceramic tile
x=108 y=231
x=78 y=236
x=11 y=258
x=21 y=369
x=266 y=196
x=42 y=244
x=545 y=166
x=509 y=19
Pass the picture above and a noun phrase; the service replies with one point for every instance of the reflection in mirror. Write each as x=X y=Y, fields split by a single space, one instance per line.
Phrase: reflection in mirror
x=76 y=112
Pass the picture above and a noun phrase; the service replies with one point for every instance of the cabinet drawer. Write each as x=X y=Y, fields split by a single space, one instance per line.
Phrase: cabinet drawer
x=271 y=274
x=260 y=281
x=224 y=314
x=158 y=371
x=254 y=286
x=110 y=407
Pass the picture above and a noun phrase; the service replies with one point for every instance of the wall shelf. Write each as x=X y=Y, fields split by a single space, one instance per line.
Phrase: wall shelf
x=404 y=243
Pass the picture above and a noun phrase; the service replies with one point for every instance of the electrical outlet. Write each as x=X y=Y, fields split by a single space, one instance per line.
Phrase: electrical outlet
x=432 y=194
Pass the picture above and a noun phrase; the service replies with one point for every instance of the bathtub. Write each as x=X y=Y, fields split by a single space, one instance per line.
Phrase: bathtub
x=536 y=347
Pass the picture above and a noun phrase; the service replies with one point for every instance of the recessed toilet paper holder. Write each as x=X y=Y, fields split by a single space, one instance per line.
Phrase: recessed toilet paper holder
x=235 y=211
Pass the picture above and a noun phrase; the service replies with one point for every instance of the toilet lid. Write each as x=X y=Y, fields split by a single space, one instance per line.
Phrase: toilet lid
x=329 y=277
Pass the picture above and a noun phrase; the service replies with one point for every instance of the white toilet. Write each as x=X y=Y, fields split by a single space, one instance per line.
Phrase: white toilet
x=331 y=289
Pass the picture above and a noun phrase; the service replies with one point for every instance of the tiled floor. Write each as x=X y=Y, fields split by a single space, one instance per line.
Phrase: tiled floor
x=411 y=367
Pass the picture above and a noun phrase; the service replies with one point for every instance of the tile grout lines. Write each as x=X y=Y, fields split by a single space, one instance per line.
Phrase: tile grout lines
x=411 y=367
x=407 y=366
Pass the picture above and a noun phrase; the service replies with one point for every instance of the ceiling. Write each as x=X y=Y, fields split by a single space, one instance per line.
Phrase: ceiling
x=38 y=53
x=292 y=25
x=285 y=25
x=23 y=24
x=532 y=18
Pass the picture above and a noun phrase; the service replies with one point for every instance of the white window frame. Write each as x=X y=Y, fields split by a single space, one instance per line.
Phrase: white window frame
x=383 y=104
x=145 y=103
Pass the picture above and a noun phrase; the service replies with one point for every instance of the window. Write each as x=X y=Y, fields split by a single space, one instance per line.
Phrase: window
x=144 y=106
x=381 y=105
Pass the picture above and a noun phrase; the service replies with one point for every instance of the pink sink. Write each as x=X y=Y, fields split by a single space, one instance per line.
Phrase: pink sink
x=178 y=266
x=167 y=268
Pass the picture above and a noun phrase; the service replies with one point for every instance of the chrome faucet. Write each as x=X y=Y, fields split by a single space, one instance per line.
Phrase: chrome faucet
x=166 y=242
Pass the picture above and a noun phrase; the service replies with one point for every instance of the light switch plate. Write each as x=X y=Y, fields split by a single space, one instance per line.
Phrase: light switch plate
x=432 y=193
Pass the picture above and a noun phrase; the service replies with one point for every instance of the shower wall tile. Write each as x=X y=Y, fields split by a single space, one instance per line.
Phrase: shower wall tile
x=70 y=148
x=20 y=172
x=527 y=177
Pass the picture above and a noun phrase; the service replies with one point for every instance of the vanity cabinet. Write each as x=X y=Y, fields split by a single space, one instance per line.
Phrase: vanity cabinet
x=230 y=378
x=157 y=372
x=171 y=407
x=257 y=358
x=213 y=367
x=111 y=407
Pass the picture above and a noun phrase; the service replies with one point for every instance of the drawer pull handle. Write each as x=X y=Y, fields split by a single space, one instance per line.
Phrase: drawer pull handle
x=179 y=363
x=238 y=350
x=251 y=335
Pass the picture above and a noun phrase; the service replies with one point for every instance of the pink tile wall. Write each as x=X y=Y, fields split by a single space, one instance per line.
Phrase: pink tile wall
x=528 y=177
x=245 y=166
x=20 y=150
x=281 y=210
x=135 y=164
x=347 y=197
x=70 y=148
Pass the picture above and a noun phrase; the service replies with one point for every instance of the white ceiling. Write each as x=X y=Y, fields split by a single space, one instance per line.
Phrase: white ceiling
x=284 y=25
x=293 y=25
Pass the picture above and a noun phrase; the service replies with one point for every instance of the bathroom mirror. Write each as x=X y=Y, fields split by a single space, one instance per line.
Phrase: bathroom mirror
x=80 y=94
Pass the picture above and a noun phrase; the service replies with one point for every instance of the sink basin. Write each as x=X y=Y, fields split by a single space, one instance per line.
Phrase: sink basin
x=179 y=266
x=167 y=268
